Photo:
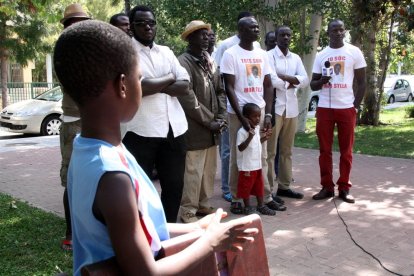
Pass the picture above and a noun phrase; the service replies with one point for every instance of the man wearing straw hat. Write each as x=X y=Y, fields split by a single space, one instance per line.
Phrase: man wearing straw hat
x=71 y=125
x=205 y=109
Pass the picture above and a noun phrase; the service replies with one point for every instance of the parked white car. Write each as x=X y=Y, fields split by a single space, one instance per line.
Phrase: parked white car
x=40 y=115
x=397 y=90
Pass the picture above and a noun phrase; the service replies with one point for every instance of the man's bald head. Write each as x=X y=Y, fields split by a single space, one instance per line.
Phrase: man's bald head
x=245 y=21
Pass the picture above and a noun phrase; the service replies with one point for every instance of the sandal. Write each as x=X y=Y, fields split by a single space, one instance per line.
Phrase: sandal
x=66 y=245
x=264 y=210
x=249 y=210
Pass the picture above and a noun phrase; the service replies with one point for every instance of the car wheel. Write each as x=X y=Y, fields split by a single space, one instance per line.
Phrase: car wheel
x=410 y=98
x=391 y=99
x=51 y=125
x=313 y=104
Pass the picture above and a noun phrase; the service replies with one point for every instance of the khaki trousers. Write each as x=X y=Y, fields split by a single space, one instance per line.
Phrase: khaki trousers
x=234 y=126
x=200 y=170
x=67 y=134
x=284 y=130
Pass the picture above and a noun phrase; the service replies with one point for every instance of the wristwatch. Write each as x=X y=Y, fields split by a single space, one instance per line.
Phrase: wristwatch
x=269 y=115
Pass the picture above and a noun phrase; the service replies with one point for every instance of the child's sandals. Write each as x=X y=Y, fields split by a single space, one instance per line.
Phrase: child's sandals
x=249 y=210
x=264 y=210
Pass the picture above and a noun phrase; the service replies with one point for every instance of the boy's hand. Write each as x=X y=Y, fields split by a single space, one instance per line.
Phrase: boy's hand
x=251 y=133
x=267 y=134
x=229 y=235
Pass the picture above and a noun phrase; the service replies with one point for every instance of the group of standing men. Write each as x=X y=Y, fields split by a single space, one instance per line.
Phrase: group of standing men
x=184 y=111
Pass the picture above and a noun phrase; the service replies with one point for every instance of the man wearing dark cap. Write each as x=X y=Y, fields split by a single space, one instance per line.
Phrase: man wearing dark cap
x=205 y=109
x=71 y=125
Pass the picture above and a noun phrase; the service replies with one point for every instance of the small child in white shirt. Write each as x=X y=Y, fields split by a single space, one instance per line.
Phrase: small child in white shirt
x=249 y=155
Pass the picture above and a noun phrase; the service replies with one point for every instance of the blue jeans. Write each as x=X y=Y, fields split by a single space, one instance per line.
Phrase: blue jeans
x=225 y=160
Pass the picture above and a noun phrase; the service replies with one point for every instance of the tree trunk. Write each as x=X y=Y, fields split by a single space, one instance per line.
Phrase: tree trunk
x=127 y=6
x=385 y=60
x=308 y=59
x=4 y=76
x=266 y=25
x=370 y=114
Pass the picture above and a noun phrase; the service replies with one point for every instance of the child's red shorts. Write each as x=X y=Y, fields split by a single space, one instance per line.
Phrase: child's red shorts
x=250 y=183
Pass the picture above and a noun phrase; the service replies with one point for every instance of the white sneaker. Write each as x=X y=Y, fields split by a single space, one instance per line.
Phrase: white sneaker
x=189 y=217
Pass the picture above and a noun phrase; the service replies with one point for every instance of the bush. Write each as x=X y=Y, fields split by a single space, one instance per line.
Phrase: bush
x=410 y=111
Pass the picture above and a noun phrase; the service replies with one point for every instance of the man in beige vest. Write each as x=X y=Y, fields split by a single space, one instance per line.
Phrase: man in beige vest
x=71 y=125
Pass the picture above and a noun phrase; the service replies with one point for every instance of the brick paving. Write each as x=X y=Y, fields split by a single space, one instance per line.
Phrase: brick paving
x=308 y=239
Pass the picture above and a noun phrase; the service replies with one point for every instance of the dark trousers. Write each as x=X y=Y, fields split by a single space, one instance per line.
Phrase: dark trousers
x=167 y=155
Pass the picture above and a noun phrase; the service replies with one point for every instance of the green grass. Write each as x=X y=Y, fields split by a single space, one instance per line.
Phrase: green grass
x=30 y=240
x=393 y=138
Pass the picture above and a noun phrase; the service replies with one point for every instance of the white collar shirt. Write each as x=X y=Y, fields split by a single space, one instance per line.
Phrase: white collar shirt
x=158 y=111
x=291 y=64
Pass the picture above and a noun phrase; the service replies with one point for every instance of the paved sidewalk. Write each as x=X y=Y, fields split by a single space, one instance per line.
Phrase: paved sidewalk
x=308 y=239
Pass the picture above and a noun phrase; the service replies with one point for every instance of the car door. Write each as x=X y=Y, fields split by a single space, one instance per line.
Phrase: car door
x=398 y=90
x=406 y=91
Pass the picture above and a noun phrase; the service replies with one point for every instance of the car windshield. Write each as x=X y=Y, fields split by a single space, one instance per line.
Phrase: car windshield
x=53 y=95
x=389 y=83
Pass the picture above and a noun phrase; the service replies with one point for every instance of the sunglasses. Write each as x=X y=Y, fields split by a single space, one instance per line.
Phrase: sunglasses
x=143 y=23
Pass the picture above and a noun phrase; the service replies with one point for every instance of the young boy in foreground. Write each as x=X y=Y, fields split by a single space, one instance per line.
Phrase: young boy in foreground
x=249 y=156
x=115 y=209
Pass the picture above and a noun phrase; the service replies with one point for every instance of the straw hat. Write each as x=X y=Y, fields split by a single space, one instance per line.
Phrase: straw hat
x=194 y=26
x=73 y=11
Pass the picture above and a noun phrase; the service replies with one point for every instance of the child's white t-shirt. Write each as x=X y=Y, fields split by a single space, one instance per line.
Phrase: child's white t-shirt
x=251 y=158
x=341 y=94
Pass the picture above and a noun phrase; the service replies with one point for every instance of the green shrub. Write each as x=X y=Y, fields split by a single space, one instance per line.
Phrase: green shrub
x=410 y=111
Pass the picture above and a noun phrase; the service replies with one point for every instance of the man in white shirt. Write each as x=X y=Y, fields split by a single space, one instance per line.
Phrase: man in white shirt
x=155 y=136
x=289 y=68
x=237 y=64
x=338 y=106
x=224 y=142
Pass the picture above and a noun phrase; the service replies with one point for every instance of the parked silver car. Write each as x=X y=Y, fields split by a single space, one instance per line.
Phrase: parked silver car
x=38 y=115
x=397 y=90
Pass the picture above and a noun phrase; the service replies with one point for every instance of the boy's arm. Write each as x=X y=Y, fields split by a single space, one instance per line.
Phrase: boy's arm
x=116 y=204
x=243 y=145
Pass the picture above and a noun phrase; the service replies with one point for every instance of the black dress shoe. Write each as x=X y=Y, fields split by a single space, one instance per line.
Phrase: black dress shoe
x=278 y=199
x=289 y=193
x=345 y=196
x=324 y=193
x=276 y=206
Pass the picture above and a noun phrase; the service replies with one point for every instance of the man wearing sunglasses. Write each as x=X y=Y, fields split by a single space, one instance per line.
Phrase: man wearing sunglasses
x=155 y=136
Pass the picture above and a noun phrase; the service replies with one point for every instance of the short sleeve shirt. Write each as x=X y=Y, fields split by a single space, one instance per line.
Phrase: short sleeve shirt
x=251 y=158
x=344 y=61
x=249 y=69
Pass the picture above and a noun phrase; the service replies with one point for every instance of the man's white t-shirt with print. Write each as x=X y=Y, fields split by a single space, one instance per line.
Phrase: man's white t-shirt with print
x=251 y=158
x=226 y=44
x=340 y=95
x=243 y=64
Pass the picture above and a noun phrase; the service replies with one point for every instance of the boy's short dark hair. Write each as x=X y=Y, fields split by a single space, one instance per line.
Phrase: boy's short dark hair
x=89 y=54
x=141 y=8
x=114 y=18
x=249 y=108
